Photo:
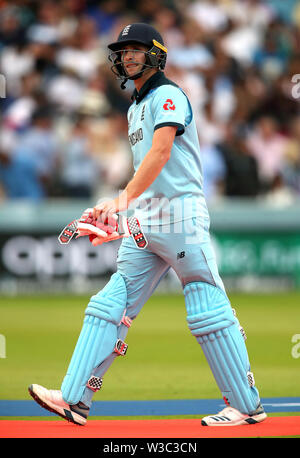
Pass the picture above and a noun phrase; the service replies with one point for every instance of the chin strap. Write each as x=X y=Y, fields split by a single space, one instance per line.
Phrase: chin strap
x=123 y=84
x=134 y=77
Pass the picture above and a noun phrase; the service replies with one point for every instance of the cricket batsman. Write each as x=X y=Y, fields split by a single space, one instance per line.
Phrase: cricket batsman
x=166 y=193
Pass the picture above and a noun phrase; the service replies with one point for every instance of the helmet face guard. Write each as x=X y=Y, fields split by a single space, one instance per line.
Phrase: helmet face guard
x=155 y=57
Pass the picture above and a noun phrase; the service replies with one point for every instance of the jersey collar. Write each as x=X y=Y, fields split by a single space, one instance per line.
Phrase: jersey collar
x=156 y=80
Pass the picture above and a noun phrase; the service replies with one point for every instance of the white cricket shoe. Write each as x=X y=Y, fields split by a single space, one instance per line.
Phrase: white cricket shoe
x=233 y=417
x=52 y=400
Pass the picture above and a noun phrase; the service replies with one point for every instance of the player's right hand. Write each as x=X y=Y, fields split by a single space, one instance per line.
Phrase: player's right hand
x=87 y=225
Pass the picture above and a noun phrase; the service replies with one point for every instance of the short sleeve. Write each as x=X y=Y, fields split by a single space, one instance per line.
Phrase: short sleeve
x=170 y=107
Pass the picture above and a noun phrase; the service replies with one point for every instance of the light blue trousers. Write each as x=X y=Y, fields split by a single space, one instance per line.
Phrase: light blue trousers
x=186 y=247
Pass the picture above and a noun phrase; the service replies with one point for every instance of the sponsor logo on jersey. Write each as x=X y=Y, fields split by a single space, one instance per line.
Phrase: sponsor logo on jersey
x=169 y=105
x=136 y=136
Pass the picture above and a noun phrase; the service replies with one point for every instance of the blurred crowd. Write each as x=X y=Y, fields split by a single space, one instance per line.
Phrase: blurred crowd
x=63 y=125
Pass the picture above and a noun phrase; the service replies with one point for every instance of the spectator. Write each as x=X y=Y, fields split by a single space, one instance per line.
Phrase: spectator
x=284 y=10
x=8 y=139
x=80 y=170
x=109 y=144
x=291 y=167
x=193 y=54
x=193 y=85
x=241 y=178
x=168 y=21
x=83 y=52
x=46 y=29
x=267 y=146
x=211 y=131
x=250 y=90
x=11 y=30
x=29 y=170
x=279 y=194
x=94 y=99
x=19 y=111
x=256 y=13
x=214 y=172
x=66 y=91
x=271 y=58
x=243 y=37
x=219 y=83
x=235 y=59
x=105 y=14
x=209 y=14
x=16 y=62
x=281 y=99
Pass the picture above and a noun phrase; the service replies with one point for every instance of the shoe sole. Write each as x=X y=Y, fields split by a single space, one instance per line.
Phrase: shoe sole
x=245 y=421
x=51 y=409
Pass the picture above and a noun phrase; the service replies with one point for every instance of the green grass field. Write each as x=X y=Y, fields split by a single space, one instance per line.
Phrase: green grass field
x=163 y=360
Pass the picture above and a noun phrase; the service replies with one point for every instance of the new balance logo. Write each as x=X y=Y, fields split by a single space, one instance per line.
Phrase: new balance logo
x=181 y=255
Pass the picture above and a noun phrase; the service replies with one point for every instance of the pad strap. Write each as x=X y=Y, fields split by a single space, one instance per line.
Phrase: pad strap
x=126 y=320
x=120 y=347
x=94 y=383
